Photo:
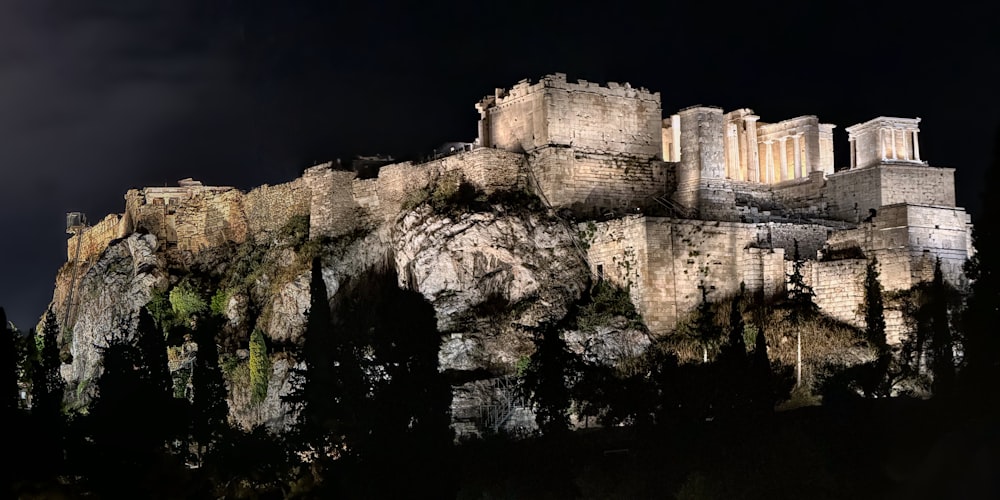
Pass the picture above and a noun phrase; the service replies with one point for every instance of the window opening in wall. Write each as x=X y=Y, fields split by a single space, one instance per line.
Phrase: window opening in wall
x=600 y=272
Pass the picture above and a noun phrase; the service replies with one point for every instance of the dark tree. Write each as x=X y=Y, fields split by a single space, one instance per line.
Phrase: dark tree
x=874 y=309
x=8 y=360
x=703 y=326
x=127 y=450
x=47 y=391
x=315 y=392
x=761 y=374
x=153 y=346
x=942 y=359
x=800 y=295
x=393 y=404
x=800 y=306
x=50 y=362
x=735 y=350
x=981 y=344
x=209 y=406
x=877 y=377
x=548 y=380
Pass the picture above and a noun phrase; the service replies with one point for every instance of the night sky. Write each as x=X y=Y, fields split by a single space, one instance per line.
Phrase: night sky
x=98 y=99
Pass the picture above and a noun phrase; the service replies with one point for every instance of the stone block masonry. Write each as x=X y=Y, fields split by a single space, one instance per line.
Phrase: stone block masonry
x=592 y=184
x=664 y=263
x=587 y=116
x=94 y=239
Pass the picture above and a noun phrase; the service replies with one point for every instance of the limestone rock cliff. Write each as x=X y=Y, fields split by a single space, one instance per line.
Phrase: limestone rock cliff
x=491 y=276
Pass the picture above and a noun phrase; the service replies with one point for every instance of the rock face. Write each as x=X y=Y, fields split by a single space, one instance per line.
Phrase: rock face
x=107 y=297
x=491 y=278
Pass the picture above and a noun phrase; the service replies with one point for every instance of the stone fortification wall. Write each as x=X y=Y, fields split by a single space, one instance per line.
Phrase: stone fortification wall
x=592 y=183
x=268 y=208
x=209 y=220
x=664 y=263
x=852 y=193
x=918 y=185
x=616 y=251
x=838 y=285
x=341 y=203
x=514 y=120
x=840 y=293
x=94 y=239
x=804 y=196
x=907 y=239
x=613 y=118
x=333 y=210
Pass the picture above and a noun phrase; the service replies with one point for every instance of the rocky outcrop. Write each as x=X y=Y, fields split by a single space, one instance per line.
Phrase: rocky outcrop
x=107 y=298
x=491 y=277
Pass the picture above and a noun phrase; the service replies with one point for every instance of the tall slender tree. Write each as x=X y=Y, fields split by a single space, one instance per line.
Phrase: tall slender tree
x=547 y=380
x=800 y=304
x=942 y=358
x=874 y=308
x=209 y=406
x=8 y=360
x=260 y=367
x=315 y=392
x=735 y=350
x=981 y=343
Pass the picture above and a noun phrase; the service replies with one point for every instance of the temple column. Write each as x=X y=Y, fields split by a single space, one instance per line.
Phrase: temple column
x=800 y=170
x=892 y=137
x=854 y=158
x=782 y=144
x=753 y=148
x=768 y=162
x=916 y=146
x=675 y=134
x=881 y=142
x=733 y=156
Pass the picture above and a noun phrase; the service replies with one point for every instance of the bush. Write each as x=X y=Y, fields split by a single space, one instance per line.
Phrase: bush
x=220 y=300
x=186 y=301
x=607 y=301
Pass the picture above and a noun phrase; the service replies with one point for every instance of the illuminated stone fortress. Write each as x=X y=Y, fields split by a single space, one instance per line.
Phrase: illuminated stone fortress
x=667 y=205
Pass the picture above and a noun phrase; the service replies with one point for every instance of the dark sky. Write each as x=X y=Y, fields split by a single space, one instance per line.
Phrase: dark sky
x=97 y=97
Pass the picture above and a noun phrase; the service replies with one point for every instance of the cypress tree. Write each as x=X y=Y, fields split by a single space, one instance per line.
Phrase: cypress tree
x=735 y=350
x=260 y=367
x=547 y=378
x=153 y=345
x=209 y=406
x=942 y=360
x=314 y=393
x=874 y=308
x=48 y=386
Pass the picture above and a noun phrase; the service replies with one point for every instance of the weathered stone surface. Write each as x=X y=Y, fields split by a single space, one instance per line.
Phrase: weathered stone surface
x=527 y=266
x=109 y=297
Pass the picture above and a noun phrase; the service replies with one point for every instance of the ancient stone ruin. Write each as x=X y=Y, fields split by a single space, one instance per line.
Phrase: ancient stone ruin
x=665 y=205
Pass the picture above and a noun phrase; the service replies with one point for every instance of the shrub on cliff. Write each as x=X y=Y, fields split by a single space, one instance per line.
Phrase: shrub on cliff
x=260 y=367
x=607 y=302
x=186 y=301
